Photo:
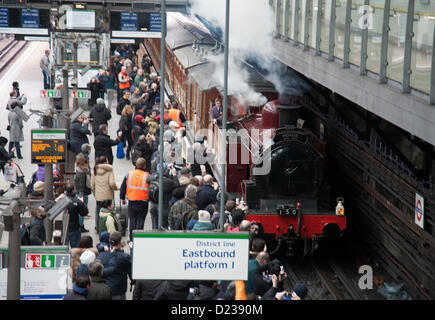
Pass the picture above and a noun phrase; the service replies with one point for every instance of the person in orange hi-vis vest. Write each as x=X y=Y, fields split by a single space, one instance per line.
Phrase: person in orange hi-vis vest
x=135 y=188
x=240 y=290
x=176 y=115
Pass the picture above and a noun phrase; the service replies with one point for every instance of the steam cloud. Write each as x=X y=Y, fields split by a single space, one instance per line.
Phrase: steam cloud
x=251 y=32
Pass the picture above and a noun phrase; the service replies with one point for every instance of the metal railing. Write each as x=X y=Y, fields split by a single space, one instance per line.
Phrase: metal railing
x=391 y=41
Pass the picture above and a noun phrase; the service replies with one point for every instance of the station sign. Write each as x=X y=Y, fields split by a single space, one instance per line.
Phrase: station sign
x=51 y=93
x=45 y=278
x=85 y=94
x=190 y=256
x=49 y=146
x=47 y=261
x=419 y=210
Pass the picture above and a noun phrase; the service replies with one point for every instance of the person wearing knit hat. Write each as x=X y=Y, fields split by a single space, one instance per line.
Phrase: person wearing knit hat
x=99 y=115
x=39 y=187
x=203 y=223
x=300 y=291
x=138 y=118
x=85 y=259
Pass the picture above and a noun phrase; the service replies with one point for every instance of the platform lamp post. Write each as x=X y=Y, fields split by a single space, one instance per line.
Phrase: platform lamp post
x=224 y=115
x=162 y=108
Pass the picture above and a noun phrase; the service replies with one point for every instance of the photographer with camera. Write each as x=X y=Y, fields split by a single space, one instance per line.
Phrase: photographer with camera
x=263 y=277
x=117 y=266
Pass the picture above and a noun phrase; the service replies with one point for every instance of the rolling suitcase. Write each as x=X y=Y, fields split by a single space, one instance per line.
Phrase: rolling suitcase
x=122 y=213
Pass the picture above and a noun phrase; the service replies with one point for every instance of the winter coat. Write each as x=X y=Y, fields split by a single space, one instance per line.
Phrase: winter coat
x=137 y=100
x=116 y=272
x=20 y=101
x=37 y=231
x=103 y=183
x=75 y=208
x=112 y=222
x=4 y=157
x=206 y=293
x=104 y=241
x=125 y=125
x=152 y=125
x=169 y=184
x=82 y=269
x=99 y=290
x=75 y=259
x=76 y=293
x=16 y=124
x=122 y=102
x=142 y=150
x=100 y=115
x=78 y=136
x=146 y=289
x=103 y=146
x=174 y=290
x=83 y=181
x=183 y=205
x=97 y=91
x=203 y=226
x=138 y=130
x=205 y=196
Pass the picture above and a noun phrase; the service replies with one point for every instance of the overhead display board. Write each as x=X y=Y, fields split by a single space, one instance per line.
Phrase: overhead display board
x=24 y=21
x=80 y=20
x=48 y=146
x=135 y=24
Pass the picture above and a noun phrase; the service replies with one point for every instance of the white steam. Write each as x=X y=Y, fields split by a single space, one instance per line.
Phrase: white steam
x=250 y=36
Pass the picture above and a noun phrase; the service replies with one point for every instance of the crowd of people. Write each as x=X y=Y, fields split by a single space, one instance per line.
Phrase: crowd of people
x=191 y=195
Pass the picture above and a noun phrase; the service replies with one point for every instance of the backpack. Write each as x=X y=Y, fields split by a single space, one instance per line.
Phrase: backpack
x=102 y=223
x=25 y=234
x=177 y=222
x=153 y=191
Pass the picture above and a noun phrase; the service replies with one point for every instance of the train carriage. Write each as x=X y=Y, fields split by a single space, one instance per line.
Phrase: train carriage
x=292 y=199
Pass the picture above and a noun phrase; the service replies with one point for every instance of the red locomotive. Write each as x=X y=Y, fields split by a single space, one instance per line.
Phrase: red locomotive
x=273 y=163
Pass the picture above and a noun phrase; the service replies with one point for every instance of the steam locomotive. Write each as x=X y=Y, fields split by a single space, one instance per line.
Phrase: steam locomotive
x=280 y=165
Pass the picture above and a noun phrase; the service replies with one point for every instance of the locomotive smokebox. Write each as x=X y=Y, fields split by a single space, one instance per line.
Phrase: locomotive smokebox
x=288 y=115
x=289 y=109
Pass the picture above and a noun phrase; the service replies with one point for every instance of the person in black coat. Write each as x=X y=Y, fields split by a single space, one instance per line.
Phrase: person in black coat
x=174 y=290
x=78 y=132
x=4 y=155
x=125 y=99
x=37 y=229
x=80 y=289
x=97 y=91
x=146 y=289
x=206 y=194
x=75 y=208
x=99 y=115
x=170 y=182
x=206 y=290
x=118 y=267
x=103 y=144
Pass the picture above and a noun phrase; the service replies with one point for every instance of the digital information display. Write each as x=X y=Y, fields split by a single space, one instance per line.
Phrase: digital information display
x=135 y=25
x=24 y=21
x=49 y=146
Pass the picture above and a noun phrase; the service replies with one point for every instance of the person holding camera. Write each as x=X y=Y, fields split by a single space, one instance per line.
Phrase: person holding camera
x=118 y=267
x=262 y=276
x=79 y=133
x=99 y=115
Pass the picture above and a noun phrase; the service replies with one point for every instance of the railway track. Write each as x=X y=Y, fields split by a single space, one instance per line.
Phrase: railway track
x=9 y=49
x=325 y=280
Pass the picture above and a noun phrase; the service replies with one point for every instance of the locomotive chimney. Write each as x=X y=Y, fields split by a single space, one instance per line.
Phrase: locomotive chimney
x=289 y=110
